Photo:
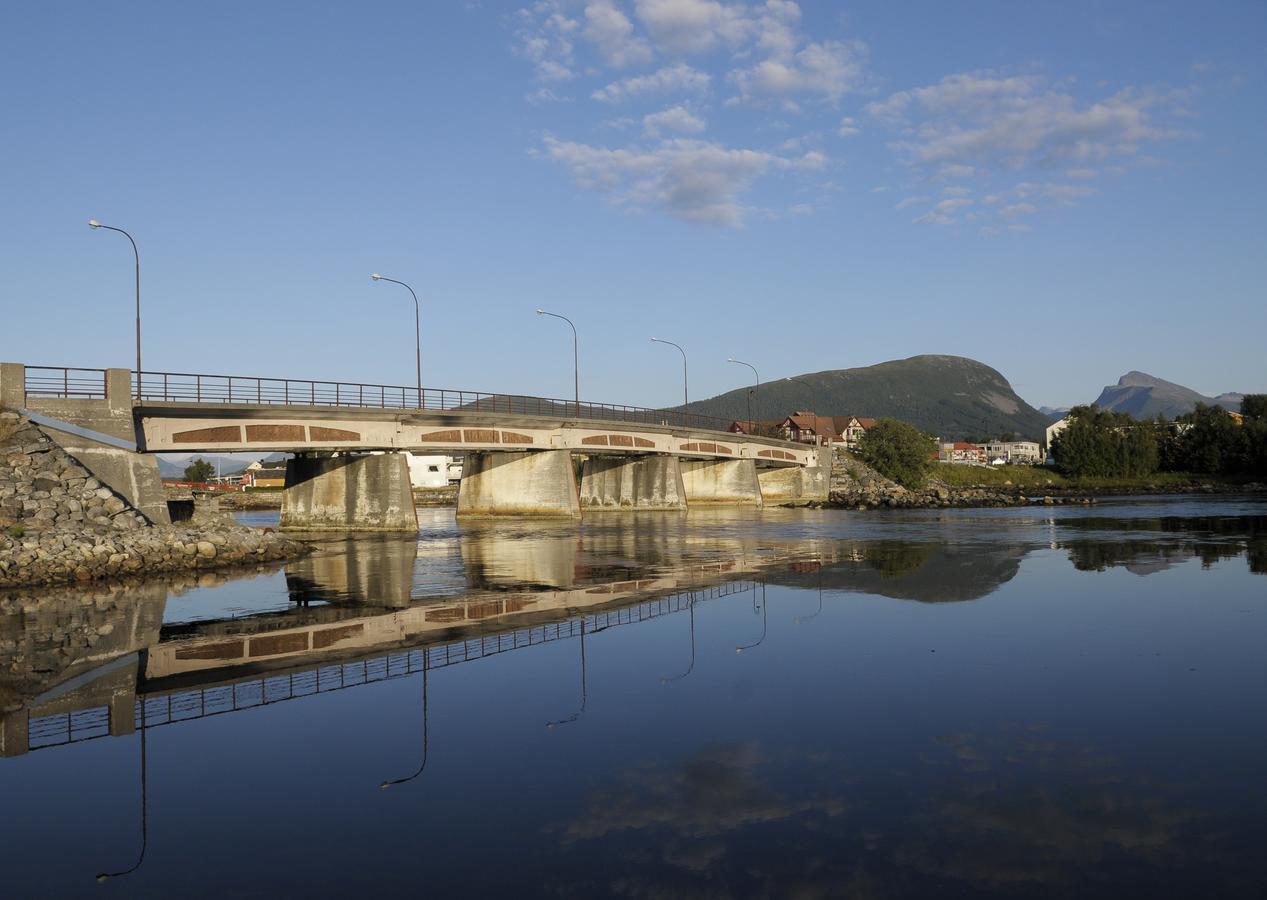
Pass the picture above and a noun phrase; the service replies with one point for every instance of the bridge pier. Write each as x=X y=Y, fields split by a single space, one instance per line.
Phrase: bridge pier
x=349 y=492
x=721 y=481
x=635 y=482
x=797 y=484
x=524 y=483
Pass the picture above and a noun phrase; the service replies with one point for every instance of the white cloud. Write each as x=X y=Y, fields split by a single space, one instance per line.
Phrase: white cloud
x=612 y=33
x=677 y=119
x=693 y=180
x=679 y=78
x=991 y=127
x=944 y=212
x=681 y=27
x=545 y=35
x=829 y=69
x=979 y=119
x=848 y=127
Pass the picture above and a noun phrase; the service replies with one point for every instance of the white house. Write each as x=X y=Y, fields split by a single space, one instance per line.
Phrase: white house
x=429 y=471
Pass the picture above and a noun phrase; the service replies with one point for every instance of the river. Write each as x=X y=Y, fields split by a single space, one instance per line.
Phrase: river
x=1022 y=702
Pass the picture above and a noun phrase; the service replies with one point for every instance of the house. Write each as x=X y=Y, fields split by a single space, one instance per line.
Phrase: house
x=961 y=452
x=809 y=428
x=1054 y=429
x=850 y=429
x=265 y=474
x=762 y=427
x=428 y=471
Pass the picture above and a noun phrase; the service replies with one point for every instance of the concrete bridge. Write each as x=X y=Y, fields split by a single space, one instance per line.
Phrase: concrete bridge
x=349 y=471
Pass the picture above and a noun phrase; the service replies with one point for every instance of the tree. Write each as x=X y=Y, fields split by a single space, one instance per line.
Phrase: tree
x=1102 y=444
x=898 y=450
x=199 y=471
x=1254 y=406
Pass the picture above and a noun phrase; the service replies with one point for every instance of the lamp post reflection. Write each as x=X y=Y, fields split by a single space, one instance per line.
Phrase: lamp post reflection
x=691 y=667
x=799 y=619
x=102 y=876
x=426 y=719
x=742 y=647
x=584 y=696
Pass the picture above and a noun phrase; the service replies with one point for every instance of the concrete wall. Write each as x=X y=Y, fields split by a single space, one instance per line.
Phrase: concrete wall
x=133 y=476
x=798 y=484
x=376 y=571
x=540 y=483
x=632 y=482
x=352 y=492
x=729 y=481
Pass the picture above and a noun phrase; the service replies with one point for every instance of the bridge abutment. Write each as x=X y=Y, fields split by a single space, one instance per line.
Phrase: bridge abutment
x=721 y=481
x=638 y=482
x=524 y=483
x=133 y=476
x=349 y=492
x=798 y=484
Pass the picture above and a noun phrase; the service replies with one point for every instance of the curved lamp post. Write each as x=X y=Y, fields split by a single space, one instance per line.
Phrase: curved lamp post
x=94 y=224
x=755 y=384
x=584 y=693
x=426 y=668
x=145 y=834
x=686 y=399
x=764 y=619
x=417 y=328
x=690 y=668
x=576 y=356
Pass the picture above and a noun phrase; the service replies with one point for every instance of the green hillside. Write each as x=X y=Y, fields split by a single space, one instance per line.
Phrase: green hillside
x=949 y=396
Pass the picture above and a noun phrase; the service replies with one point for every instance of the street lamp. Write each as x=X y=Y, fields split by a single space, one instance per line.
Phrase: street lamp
x=685 y=397
x=576 y=356
x=426 y=741
x=94 y=224
x=756 y=383
x=417 y=328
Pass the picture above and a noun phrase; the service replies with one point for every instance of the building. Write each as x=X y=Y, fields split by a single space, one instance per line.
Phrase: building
x=809 y=428
x=850 y=429
x=1054 y=429
x=759 y=427
x=260 y=474
x=961 y=452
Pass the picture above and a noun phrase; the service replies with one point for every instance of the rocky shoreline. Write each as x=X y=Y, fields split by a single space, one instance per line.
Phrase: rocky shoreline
x=61 y=525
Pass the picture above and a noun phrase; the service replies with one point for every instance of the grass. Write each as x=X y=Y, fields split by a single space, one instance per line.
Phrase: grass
x=1043 y=477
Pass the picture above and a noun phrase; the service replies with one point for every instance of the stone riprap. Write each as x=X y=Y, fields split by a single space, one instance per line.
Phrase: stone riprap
x=855 y=485
x=59 y=524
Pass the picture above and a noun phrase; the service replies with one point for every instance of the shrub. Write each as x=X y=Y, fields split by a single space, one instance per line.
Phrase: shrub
x=898 y=450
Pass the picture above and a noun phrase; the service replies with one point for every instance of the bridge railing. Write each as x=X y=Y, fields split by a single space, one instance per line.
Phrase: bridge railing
x=64 y=382
x=184 y=387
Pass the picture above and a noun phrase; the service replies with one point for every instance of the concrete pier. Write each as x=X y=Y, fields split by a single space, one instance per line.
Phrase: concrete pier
x=723 y=481
x=635 y=482
x=349 y=492
x=797 y=484
x=541 y=483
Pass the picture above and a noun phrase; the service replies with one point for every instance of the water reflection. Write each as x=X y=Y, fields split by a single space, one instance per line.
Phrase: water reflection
x=1052 y=746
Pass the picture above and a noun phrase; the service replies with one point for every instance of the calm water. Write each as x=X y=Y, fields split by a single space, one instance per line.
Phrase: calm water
x=1033 y=702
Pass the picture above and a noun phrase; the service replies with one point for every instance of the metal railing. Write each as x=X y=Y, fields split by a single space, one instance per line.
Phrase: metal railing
x=64 y=382
x=186 y=387
x=199 y=703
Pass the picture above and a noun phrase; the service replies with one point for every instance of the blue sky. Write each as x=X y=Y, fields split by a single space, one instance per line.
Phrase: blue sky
x=1064 y=191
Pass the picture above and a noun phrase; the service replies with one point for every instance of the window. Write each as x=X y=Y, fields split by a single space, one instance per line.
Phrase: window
x=433 y=468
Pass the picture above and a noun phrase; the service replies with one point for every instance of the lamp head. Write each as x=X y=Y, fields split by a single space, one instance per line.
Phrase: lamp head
x=540 y=311
x=93 y=223
x=655 y=340
x=375 y=277
x=730 y=359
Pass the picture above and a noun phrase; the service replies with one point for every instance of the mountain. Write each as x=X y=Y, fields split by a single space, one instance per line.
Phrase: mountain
x=172 y=465
x=1054 y=413
x=1146 y=397
x=949 y=396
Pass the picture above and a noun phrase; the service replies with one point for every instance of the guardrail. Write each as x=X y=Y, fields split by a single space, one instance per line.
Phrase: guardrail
x=64 y=382
x=178 y=387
